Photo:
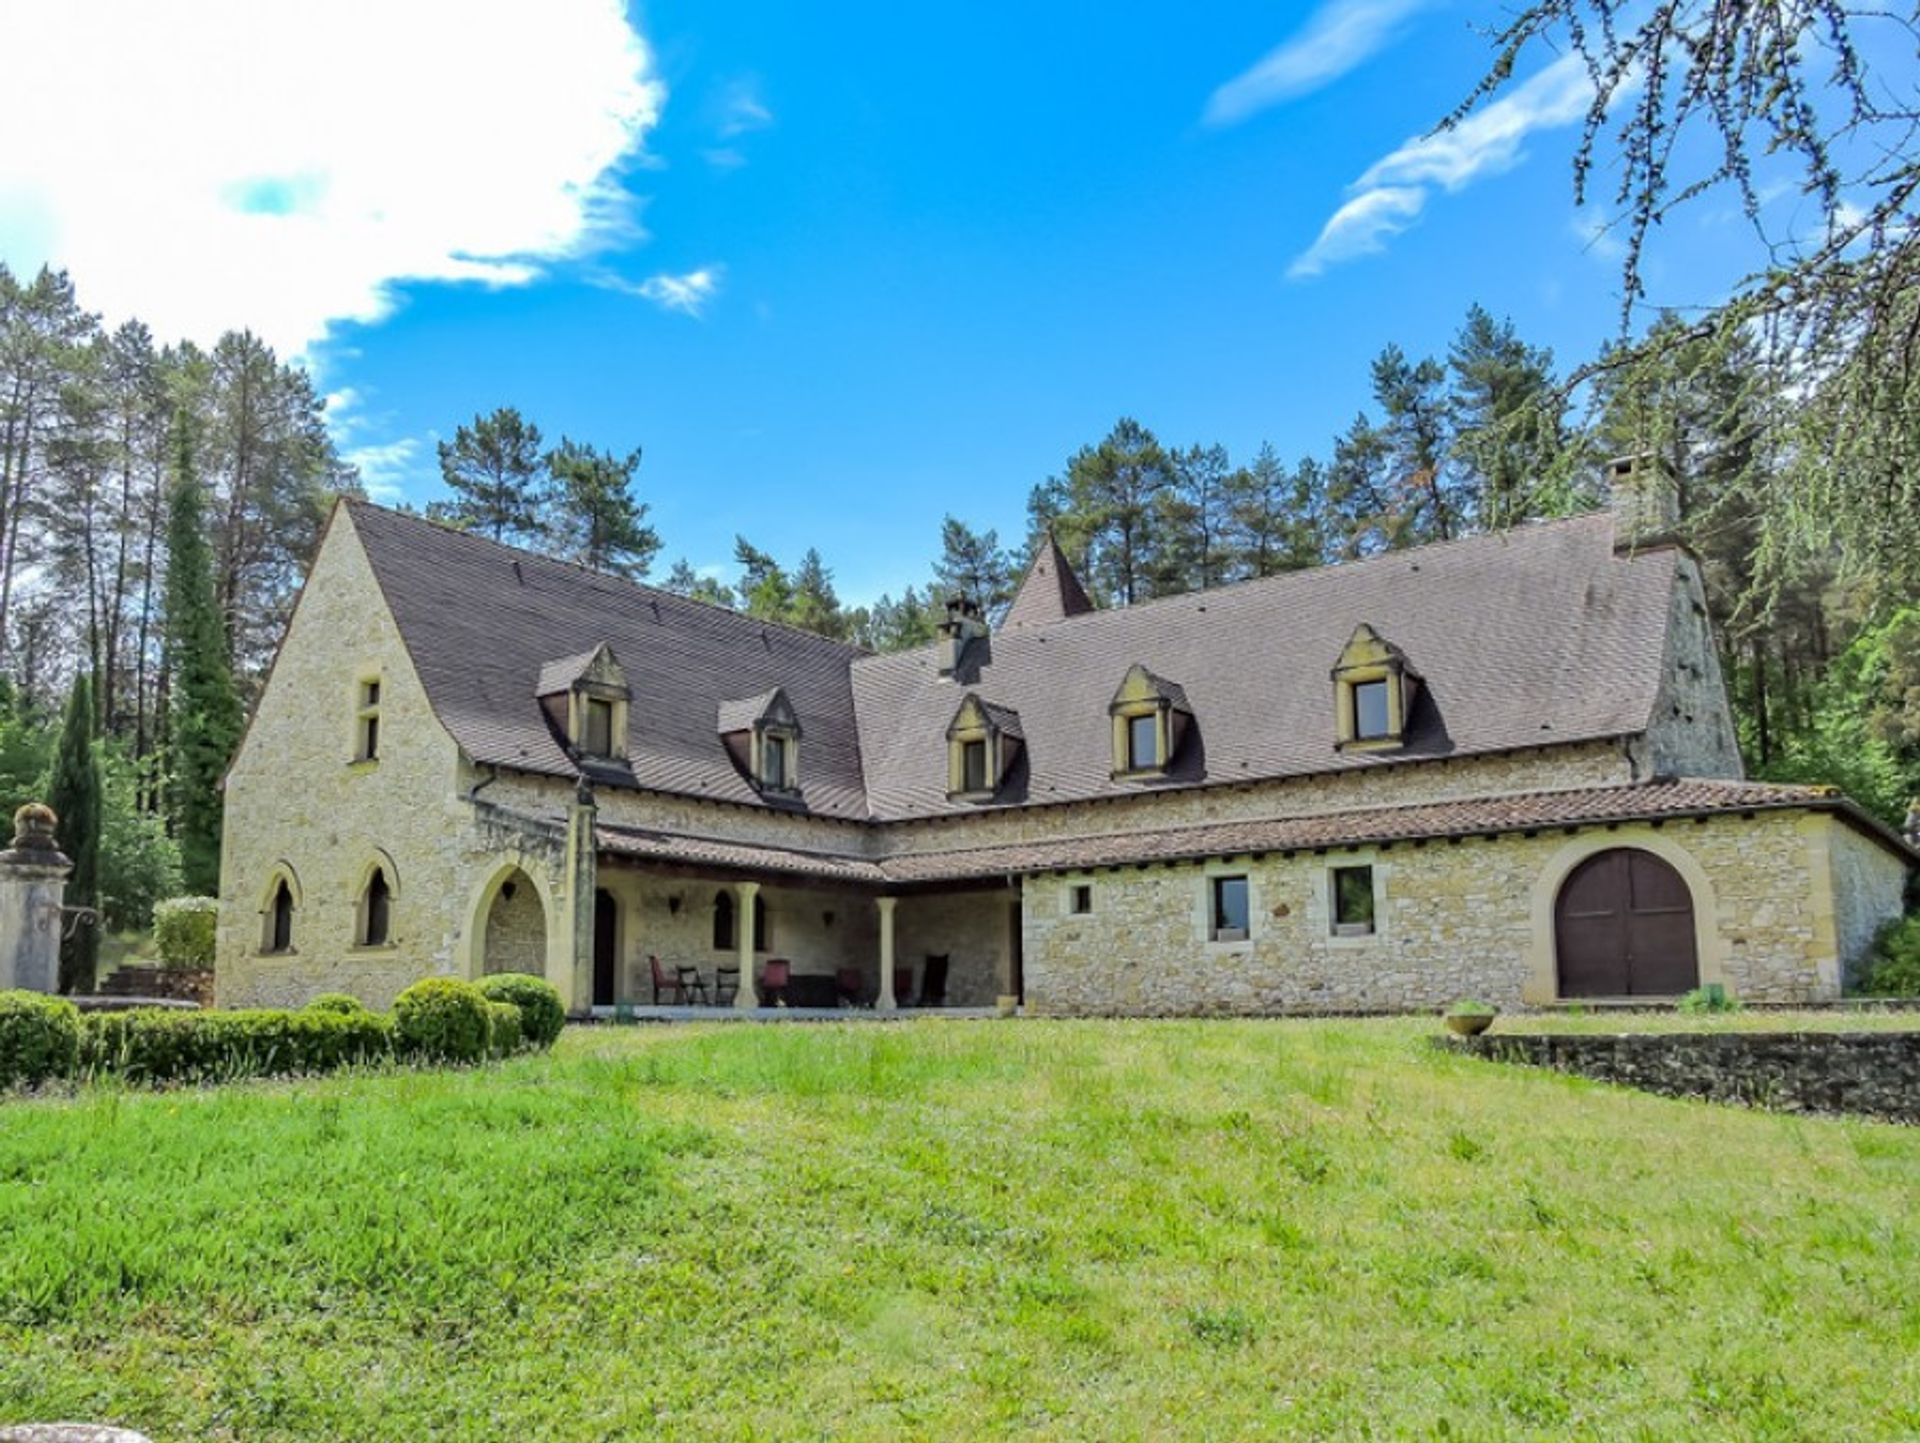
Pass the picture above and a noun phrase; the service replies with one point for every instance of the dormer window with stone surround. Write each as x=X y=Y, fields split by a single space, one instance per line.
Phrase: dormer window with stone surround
x=586 y=699
x=982 y=741
x=1150 y=720
x=762 y=734
x=1373 y=692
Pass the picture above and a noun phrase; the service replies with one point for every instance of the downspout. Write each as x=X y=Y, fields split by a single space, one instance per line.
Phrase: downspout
x=492 y=776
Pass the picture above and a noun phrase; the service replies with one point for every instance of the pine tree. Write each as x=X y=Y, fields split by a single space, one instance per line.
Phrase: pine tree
x=74 y=794
x=596 y=520
x=974 y=564
x=493 y=469
x=206 y=719
x=816 y=606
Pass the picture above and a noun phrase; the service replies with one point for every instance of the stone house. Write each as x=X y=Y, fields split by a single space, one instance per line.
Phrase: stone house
x=1501 y=767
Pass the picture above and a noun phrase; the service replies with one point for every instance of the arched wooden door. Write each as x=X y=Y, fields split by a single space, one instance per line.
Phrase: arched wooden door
x=1623 y=927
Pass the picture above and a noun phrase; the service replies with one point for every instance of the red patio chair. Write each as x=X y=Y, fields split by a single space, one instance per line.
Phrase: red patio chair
x=676 y=987
x=773 y=982
x=903 y=986
x=851 y=984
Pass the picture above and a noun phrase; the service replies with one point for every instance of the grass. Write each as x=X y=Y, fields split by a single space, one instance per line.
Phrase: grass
x=959 y=1230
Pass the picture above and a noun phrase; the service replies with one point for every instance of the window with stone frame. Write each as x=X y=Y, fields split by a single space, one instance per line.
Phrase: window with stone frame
x=277 y=931
x=1352 y=902
x=366 y=744
x=1080 y=899
x=973 y=765
x=597 y=739
x=375 y=922
x=1230 y=907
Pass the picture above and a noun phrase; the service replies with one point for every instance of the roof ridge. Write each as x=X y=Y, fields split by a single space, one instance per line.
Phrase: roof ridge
x=858 y=652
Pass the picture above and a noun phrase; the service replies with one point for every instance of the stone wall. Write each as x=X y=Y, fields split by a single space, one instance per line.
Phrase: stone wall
x=1472 y=918
x=516 y=939
x=974 y=930
x=1873 y=1073
x=1869 y=890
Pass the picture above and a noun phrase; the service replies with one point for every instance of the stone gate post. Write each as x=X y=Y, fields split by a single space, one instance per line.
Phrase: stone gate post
x=33 y=884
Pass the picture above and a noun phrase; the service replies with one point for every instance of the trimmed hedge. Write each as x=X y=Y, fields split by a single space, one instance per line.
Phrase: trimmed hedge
x=183 y=931
x=154 y=1045
x=1895 y=969
x=39 y=1038
x=504 y=1034
x=443 y=1020
x=542 y=1013
x=341 y=1003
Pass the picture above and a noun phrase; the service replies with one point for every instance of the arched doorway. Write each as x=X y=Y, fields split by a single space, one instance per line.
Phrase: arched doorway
x=515 y=939
x=1623 y=927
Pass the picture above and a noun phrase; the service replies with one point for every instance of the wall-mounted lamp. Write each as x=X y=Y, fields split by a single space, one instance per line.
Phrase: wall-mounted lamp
x=826 y=919
x=673 y=904
x=506 y=890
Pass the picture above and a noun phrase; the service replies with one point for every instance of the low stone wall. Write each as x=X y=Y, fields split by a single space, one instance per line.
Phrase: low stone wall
x=176 y=984
x=1876 y=1074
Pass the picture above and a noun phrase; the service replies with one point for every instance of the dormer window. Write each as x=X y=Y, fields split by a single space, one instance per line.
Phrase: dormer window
x=1150 y=719
x=586 y=701
x=982 y=742
x=1373 y=692
x=762 y=735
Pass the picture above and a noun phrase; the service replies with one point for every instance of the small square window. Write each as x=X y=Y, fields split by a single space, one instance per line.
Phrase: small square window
x=1143 y=743
x=598 y=740
x=1080 y=899
x=1230 y=911
x=973 y=766
x=1370 y=711
x=1353 y=901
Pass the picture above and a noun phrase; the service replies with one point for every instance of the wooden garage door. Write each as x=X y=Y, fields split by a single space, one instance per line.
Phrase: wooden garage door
x=1623 y=927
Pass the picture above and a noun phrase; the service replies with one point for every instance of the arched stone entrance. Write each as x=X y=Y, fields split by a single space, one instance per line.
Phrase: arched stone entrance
x=513 y=937
x=1624 y=927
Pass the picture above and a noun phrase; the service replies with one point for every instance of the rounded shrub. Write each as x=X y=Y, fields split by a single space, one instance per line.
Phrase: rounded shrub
x=183 y=930
x=504 y=1034
x=39 y=1038
x=542 y=1013
x=1895 y=967
x=443 y=1020
x=342 y=1004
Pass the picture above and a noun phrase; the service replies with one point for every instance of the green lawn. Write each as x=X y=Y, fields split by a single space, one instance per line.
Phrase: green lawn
x=959 y=1230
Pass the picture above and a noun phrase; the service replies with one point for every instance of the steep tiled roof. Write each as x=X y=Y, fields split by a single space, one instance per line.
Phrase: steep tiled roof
x=1538 y=636
x=1535 y=636
x=1531 y=811
x=482 y=621
x=1049 y=592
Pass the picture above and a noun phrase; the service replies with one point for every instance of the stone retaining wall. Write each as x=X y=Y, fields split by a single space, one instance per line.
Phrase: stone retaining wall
x=175 y=984
x=1872 y=1073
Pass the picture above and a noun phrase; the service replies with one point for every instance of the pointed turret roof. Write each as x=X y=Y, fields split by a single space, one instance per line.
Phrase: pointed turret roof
x=1050 y=591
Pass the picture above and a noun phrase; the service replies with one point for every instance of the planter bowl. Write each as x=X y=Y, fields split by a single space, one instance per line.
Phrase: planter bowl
x=1468 y=1024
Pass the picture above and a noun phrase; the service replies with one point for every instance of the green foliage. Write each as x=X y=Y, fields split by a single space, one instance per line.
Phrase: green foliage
x=343 y=1004
x=206 y=717
x=595 y=518
x=74 y=794
x=139 y=862
x=1472 y=1007
x=442 y=1019
x=183 y=931
x=542 y=1013
x=492 y=468
x=1710 y=998
x=504 y=1031
x=1895 y=969
x=39 y=1039
x=154 y=1045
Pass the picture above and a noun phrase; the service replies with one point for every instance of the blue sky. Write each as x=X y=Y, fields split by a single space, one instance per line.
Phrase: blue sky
x=839 y=270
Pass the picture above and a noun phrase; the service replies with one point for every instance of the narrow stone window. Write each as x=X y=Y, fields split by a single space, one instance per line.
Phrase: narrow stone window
x=367 y=722
x=773 y=762
x=599 y=727
x=1080 y=899
x=1143 y=743
x=279 y=928
x=973 y=765
x=1371 y=715
x=376 y=911
x=1230 y=910
x=1353 y=904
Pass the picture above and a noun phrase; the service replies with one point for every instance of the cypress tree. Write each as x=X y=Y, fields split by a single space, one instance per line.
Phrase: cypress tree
x=206 y=718
x=74 y=795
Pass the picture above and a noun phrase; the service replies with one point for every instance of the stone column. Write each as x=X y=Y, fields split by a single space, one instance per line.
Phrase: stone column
x=886 y=1002
x=33 y=883
x=748 y=894
x=583 y=877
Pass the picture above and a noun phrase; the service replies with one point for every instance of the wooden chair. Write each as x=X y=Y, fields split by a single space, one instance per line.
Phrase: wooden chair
x=933 y=987
x=692 y=986
x=851 y=985
x=726 y=985
x=773 y=982
x=674 y=987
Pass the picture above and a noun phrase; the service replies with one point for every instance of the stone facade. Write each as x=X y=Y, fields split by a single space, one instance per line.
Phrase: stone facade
x=1691 y=733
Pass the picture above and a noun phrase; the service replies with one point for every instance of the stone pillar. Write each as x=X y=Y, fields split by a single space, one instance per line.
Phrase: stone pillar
x=582 y=879
x=1912 y=828
x=33 y=883
x=748 y=893
x=886 y=1001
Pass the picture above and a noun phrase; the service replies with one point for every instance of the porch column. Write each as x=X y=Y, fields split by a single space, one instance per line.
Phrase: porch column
x=748 y=893
x=886 y=1002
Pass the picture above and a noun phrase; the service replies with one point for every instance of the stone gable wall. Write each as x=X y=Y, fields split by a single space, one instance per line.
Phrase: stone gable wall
x=1691 y=733
x=1870 y=889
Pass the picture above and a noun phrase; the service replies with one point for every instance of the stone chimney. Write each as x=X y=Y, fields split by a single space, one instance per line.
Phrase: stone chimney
x=1645 y=500
x=963 y=624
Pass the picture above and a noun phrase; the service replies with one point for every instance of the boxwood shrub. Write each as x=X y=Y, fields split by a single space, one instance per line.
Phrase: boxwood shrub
x=442 y=1019
x=1895 y=967
x=504 y=1036
x=183 y=931
x=542 y=1013
x=342 y=1003
x=39 y=1039
x=163 y=1045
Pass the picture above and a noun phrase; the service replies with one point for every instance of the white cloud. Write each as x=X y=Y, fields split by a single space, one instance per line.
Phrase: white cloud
x=1394 y=189
x=271 y=164
x=1361 y=227
x=687 y=293
x=383 y=466
x=742 y=109
x=1339 y=36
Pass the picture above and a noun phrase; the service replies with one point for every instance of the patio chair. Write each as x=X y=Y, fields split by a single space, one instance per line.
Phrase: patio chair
x=851 y=985
x=726 y=985
x=693 y=986
x=933 y=987
x=773 y=982
x=674 y=987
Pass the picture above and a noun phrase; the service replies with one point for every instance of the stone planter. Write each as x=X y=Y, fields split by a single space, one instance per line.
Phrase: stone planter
x=1468 y=1024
